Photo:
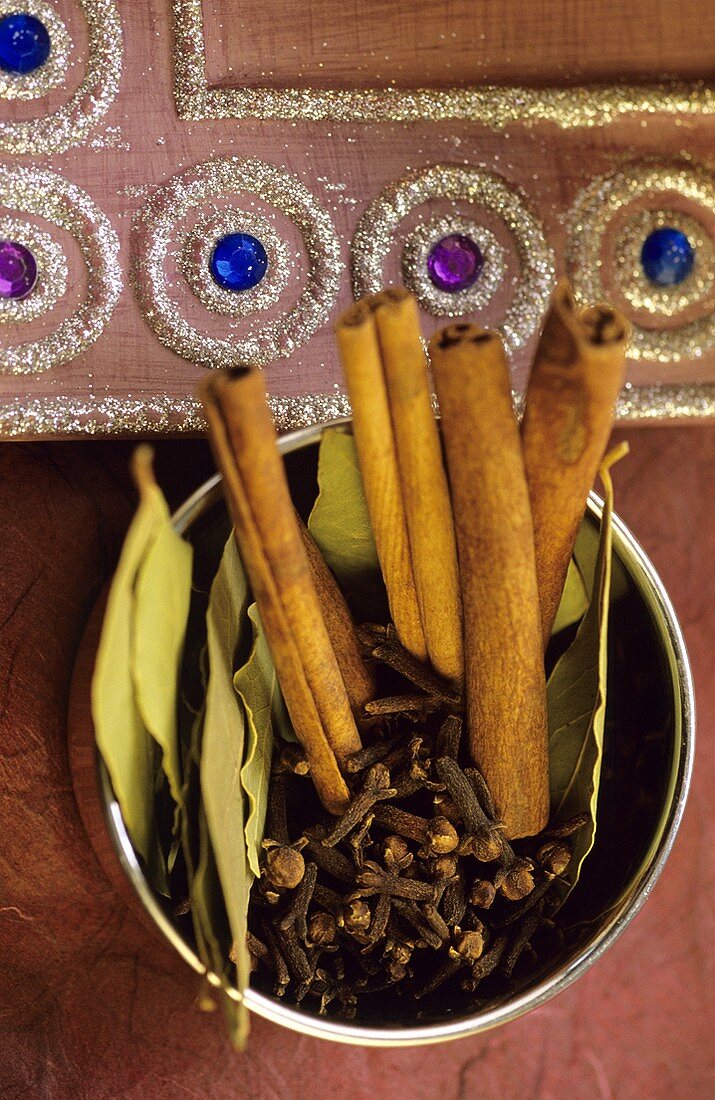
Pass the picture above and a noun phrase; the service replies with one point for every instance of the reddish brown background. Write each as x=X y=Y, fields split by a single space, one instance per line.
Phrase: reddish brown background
x=93 y=1005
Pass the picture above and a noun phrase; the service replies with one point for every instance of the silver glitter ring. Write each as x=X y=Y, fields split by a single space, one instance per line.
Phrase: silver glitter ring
x=54 y=71
x=71 y=123
x=415 y=273
x=636 y=287
x=51 y=272
x=214 y=179
x=195 y=257
x=47 y=195
x=31 y=418
x=605 y=199
x=378 y=226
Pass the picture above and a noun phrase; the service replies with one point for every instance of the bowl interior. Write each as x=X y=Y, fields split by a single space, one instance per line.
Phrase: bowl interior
x=646 y=763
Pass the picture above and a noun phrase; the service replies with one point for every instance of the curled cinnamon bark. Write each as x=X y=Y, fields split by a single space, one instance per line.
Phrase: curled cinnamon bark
x=504 y=664
x=358 y=678
x=425 y=491
x=570 y=401
x=243 y=438
x=375 y=443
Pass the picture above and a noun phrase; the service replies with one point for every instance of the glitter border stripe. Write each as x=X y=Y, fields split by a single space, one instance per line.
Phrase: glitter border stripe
x=119 y=416
x=496 y=107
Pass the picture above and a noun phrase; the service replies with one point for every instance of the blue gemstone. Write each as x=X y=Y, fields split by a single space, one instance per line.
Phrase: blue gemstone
x=24 y=43
x=238 y=262
x=667 y=256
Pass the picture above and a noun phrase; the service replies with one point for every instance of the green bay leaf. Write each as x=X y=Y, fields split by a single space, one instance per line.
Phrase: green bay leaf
x=126 y=744
x=266 y=715
x=576 y=694
x=574 y=600
x=340 y=524
x=162 y=596
x=222 y=754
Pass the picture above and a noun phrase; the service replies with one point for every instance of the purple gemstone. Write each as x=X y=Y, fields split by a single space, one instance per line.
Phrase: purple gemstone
x=454 y=263
x=18 y=270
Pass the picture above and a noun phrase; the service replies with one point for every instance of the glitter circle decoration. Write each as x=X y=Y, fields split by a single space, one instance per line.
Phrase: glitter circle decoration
x=421 y=245
x=18 y=270
x=667 y=256
x=489 y=192
x=609 y=197
x=33 y=82
x=47 y=195
x=195 y=259
x=156 y=225
x=70 y=124
x=51 y=266
x=638 y=290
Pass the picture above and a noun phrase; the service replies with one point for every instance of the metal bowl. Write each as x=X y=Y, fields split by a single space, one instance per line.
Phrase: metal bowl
x=645 y=778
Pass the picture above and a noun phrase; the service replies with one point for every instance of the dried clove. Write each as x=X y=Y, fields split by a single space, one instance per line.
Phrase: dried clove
x=449 y=737
x=462 y=792
x=276 y=814
x=554 y=856
x=329 y=860
x=454 y=901
x=292 y=759
x=321 y=929
x=402 y=704
x=355 y=917
x=415 y=916
x=481 y=790
x=442 y=836
x=372 y=754
x=296 y=913
x=396 y=854
x=284 y=866
x=517 y=881
x=376 y=787
x=402 y=822
x=391 y=653
x=487 y=964
x=482 y=893
x=373 y=879
x=378 y=925
x=277 y=962
x=359 y=838
x=522 y=937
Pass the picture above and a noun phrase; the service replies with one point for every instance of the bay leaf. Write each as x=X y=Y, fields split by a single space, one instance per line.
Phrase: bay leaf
x=340 y=524
x=574 y=600
x=576 y=697
x=126 y=744
x=266 y=715
x=222 y=755
x=162 y=596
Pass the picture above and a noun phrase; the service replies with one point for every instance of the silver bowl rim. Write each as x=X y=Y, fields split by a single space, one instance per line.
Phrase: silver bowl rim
x=648 y=583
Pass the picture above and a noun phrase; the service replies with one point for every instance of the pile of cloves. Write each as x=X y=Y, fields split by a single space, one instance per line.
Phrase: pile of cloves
x=414 y=891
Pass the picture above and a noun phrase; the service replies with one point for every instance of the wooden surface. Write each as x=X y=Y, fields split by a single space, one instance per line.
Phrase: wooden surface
x=142 y=143
x=365 y=43
x=93 y=1005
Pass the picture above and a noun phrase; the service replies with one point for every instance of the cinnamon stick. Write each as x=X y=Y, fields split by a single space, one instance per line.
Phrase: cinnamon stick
x=374 y=440
x=504 y=664
x=428 y=510
x=570 y=402
x=357 y=676
x=244 y=442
